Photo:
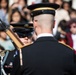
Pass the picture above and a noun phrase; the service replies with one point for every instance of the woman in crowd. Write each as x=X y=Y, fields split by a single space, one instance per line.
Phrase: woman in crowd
x=4 y=6
x=71 y=36
x=66 y=6
x=4 y=10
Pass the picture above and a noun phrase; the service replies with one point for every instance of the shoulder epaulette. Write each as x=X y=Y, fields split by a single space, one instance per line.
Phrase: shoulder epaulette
x=66 y=45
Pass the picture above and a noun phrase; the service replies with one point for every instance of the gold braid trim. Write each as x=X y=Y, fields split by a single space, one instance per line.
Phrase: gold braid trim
x=66 y=45
x=44 y=8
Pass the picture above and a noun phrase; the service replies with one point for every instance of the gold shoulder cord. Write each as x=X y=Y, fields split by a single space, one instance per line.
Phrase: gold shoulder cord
x=20 y=50
x=66 y=45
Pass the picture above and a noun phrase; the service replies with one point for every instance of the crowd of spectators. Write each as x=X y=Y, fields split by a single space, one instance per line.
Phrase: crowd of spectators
x=17 y=12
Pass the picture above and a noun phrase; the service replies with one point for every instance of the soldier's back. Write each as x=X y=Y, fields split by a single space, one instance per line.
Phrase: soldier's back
x=47 y=57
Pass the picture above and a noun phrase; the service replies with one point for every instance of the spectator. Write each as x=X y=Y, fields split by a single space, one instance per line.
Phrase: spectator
x=60 y=15
x=4 y=6
x=71 y=36
x=16 y=16
x=4 y=10
x=61 y=32
x=72 y=13
x=66 y=6
x=5 y=41
x=21 y=4
x=26 y=14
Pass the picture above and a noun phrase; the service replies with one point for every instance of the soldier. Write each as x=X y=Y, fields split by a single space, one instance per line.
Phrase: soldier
x=46 y=56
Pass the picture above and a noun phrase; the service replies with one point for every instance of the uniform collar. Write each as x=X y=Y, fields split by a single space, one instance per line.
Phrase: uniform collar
x=44 y=35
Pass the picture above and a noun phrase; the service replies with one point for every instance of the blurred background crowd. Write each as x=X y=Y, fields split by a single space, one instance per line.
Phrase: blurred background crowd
x=15 y=12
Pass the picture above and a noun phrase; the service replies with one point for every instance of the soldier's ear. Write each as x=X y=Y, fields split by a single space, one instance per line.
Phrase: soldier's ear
x=35 y=23
x=54 y=24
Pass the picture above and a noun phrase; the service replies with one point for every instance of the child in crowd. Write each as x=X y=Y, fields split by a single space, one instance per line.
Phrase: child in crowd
x=61 y=31
x=16 y=16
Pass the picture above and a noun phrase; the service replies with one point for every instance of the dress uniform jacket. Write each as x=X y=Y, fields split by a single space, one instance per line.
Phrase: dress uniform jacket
x=46 y=56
